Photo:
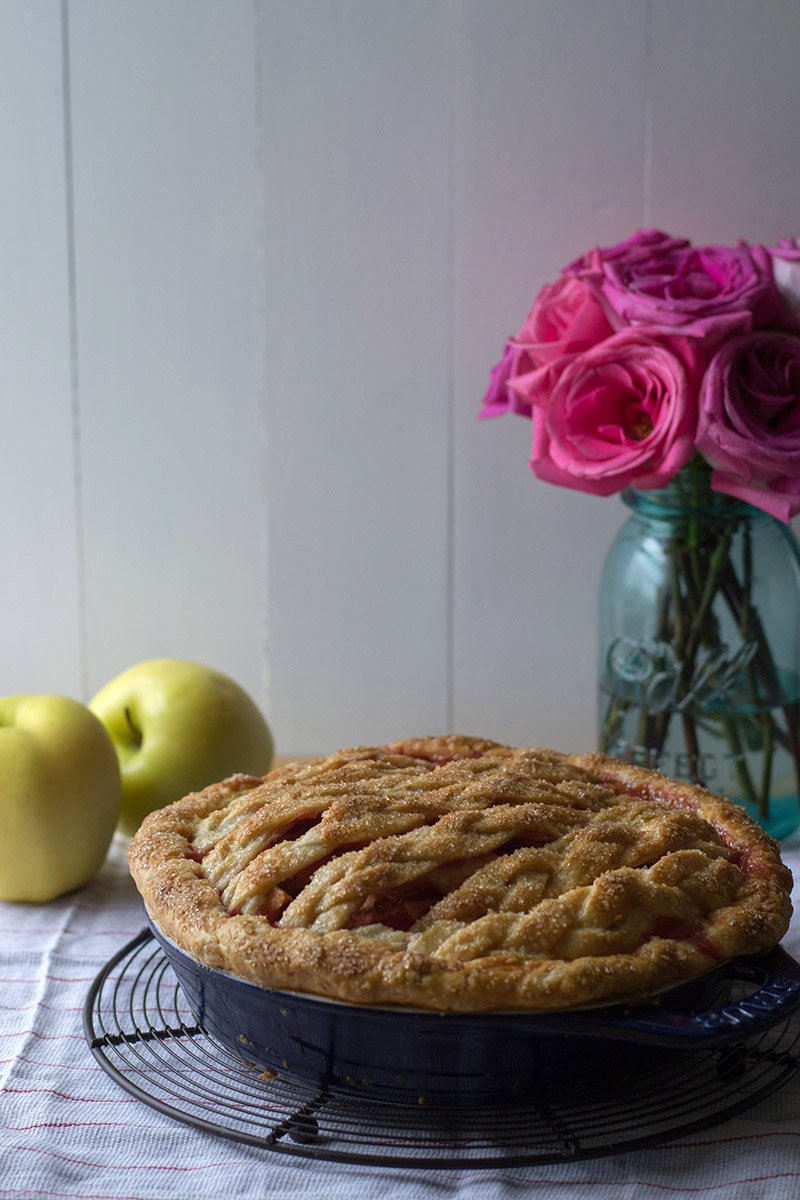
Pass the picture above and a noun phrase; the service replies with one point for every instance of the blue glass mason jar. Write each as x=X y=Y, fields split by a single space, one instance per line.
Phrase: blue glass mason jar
x=699 y=646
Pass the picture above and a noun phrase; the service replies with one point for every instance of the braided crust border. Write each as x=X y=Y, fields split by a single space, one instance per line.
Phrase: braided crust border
x=345 y=965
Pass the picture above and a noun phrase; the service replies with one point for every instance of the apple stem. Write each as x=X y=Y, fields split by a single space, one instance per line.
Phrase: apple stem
x=137 y=733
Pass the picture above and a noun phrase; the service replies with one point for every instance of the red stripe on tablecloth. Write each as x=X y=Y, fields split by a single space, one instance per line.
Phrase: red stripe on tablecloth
x=670 y=1188
x=85 y=1162
x=45 y=1037
x=39 y=1195
x=739 y=1137
x=62 y=957
x=56 y=978
x=102 y=1012
x=9 y=1091
x=37 y=1062
x=55 y=1008
x=81 y=1125
x=11 y=931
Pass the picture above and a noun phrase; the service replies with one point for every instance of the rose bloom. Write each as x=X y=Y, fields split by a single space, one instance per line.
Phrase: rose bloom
x=565 y=320
x=622 y=414
x=785 y=259
x=749 y=423
x=708 y=292
x=644 y=244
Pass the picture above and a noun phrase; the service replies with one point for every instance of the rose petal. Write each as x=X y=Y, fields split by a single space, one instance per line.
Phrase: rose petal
x=709 y=292
x=749 y=423
x=624 y=412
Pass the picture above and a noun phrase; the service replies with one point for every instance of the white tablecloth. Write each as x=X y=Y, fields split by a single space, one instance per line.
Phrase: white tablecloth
x=68 y=1130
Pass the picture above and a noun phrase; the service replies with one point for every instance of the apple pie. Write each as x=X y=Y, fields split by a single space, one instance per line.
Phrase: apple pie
x=457 y=874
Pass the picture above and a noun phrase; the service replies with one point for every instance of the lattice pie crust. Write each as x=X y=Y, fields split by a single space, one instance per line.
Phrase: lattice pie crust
x=458 y=874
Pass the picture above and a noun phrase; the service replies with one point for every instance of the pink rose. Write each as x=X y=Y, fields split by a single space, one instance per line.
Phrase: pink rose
x=785 y=258
x=565 y=319
x=708 y=292
x=644 y=244
x=622 y=414
x=749 y=424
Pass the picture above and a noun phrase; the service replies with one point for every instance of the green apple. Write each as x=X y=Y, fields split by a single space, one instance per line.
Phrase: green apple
x=177 y=727
x=59 y=796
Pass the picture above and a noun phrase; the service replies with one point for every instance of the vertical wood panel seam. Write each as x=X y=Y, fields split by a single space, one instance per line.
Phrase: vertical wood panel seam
x=450 y=524
x=72 y=311
x=263 y=409
x=649 y=104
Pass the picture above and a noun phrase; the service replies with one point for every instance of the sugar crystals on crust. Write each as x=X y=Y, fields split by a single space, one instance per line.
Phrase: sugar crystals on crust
x=457 y=874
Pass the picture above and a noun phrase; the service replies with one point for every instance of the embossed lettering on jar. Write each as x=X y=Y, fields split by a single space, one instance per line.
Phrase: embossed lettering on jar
x=699 y=646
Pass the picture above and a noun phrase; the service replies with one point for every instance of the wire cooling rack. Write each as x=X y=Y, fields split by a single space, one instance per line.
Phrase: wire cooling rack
x=142 y=1033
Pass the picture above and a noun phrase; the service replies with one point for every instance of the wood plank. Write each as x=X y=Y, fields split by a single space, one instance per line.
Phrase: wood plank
x=549 y=161
x=39 y=566
x=725 y=97
x=170 y=342
x=355 y=113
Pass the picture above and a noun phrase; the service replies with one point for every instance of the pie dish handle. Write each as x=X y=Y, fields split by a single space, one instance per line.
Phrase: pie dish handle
x=777 y=976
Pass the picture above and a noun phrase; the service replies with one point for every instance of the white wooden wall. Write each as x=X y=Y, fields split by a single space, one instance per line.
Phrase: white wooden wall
x=257 y=259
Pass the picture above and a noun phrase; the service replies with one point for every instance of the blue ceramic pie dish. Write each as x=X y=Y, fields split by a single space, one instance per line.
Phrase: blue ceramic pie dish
x=415 y=1056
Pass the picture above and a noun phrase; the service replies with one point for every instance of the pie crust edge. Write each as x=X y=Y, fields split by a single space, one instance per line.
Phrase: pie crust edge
x=186 y=907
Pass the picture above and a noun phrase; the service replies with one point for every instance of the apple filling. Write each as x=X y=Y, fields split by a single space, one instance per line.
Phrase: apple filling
x=279 y=897
x=689 y=932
